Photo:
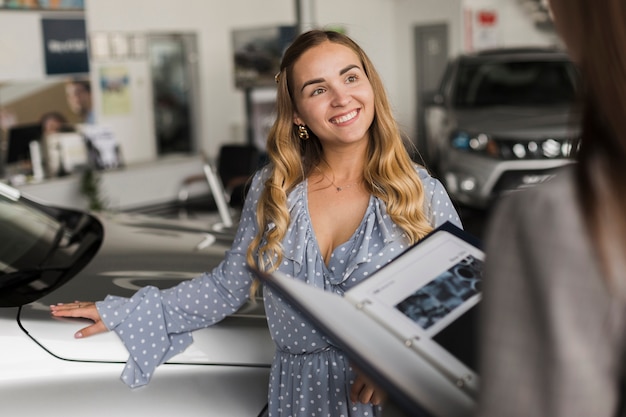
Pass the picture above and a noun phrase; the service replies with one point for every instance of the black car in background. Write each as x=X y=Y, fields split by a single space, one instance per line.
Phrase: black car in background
x=501 y=120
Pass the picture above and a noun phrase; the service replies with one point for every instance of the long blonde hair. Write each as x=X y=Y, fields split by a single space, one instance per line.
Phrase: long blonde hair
x=389 y=173
x=601 y=168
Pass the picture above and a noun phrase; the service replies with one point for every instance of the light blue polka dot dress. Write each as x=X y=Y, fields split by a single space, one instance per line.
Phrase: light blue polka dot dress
x=309 y=376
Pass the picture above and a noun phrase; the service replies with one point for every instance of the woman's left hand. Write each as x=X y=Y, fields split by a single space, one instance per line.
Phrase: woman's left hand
x=365 y=391
x=79 y=309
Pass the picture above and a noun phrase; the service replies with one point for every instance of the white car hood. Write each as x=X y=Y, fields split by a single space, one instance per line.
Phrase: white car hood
x=134 y=255
x=227 y=342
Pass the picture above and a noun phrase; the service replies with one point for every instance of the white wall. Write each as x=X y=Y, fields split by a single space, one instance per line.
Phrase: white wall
x=222 y=107
x=20 y=59
x=514 y=27
x=409 y=14
x=518 y=30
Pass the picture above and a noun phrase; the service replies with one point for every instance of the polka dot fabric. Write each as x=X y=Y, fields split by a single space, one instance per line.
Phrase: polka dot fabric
x=309 y=376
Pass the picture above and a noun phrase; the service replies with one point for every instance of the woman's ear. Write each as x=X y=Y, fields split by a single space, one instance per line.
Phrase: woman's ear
x=297 y=120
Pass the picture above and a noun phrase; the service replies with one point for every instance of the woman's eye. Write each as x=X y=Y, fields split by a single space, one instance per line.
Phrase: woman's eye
x=317 y=91
x=351 y=79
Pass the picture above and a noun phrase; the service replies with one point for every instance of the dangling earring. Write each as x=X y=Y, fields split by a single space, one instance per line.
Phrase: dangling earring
x=302 y=132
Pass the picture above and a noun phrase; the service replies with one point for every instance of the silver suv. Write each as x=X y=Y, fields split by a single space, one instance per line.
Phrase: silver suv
x=501 y=120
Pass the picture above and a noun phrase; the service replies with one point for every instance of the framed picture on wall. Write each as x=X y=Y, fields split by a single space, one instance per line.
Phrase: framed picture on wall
x=257 y=53
x=65 y=46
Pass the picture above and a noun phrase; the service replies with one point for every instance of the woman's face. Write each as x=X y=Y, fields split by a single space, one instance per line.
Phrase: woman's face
x=333 y=96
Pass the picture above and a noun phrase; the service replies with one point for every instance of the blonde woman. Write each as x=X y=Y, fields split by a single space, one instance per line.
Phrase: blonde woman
x=554 y=301
x=339 y=199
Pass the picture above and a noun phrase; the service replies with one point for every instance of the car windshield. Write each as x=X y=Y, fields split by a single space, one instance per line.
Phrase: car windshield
x=515 y=83
x=26 y=234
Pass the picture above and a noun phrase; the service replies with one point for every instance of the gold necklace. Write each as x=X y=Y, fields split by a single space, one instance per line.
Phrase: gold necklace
x=337 y=187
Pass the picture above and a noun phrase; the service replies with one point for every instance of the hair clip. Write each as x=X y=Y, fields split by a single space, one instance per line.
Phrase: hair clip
x=277 y=77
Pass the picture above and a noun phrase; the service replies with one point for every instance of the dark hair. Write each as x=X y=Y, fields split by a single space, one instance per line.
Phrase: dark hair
x=52 y=115
x=601 y=169
x=83 y=83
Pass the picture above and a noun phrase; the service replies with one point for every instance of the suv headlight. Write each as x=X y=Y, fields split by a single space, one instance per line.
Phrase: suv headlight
x=480 y=143
x=545 y=148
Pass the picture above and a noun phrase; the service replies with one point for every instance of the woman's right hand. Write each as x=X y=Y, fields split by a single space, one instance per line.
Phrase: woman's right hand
x=81 y=309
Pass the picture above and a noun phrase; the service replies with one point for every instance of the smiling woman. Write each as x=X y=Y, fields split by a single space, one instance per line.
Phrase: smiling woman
x=339 y=199
x=350 y=163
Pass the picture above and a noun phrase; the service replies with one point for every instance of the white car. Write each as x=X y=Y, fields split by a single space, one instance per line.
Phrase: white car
x=50 y=255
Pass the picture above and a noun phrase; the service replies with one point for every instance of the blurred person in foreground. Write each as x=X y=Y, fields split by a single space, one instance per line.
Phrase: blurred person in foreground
x=553 y=339
x=339 y=199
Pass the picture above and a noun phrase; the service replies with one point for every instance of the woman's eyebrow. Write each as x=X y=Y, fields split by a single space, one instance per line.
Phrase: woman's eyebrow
x=319 y=80
x=348 y=68
x=314 y=81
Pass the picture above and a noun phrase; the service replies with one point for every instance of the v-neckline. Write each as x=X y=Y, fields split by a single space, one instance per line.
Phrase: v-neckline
x=312 y=230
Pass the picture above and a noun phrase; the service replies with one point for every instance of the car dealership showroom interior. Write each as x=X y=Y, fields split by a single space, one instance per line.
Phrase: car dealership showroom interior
x=130 y=132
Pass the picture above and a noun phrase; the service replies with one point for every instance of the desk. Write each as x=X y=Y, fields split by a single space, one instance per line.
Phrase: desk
x=127 y=188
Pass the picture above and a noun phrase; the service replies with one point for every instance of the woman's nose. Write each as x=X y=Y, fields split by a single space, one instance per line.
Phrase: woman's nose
x=341 y=97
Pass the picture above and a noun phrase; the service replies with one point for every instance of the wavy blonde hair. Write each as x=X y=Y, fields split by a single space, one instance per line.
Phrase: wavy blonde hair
x=389 y=173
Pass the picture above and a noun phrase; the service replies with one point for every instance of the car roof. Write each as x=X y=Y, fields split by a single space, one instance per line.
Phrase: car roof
x=515 y=53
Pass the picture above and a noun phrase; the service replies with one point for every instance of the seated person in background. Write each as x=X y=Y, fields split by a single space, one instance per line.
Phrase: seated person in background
x=52 y=122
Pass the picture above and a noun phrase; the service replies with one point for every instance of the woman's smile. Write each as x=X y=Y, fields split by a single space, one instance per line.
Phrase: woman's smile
x=345 y=118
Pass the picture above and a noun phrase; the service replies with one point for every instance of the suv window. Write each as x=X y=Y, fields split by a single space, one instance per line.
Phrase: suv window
x=515 y=83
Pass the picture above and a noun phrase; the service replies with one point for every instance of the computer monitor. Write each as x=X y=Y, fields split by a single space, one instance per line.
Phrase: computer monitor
x=18 y=142
x=17 y=159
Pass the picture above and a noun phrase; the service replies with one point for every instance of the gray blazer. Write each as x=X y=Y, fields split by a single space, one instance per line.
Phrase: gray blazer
x=553 y=337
